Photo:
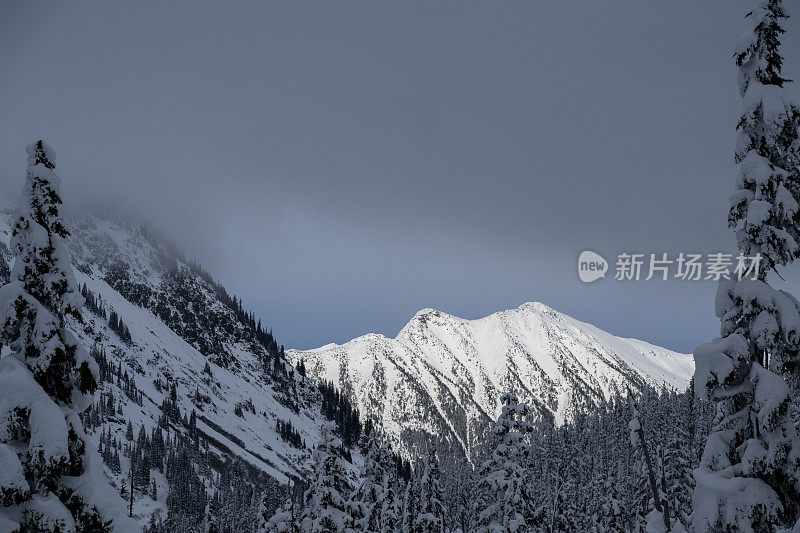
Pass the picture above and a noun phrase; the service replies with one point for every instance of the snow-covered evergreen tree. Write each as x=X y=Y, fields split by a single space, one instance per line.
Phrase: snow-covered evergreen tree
x=675 y=458
x=506 y=474
x=211 y=518
x=656 y=511
x=390 y=520
x=325 y=502
x=285 y=520
x=609 y=516
x=764 y=209
x=430 y=516
x=459 y=485
x=749 y=476
x=50 y=479
x=373 y=505
x=263 y=515
x=410 y=506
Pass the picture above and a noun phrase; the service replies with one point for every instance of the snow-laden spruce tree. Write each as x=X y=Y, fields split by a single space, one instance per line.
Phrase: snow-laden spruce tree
x=430 y=516
x=373 y=505
x=675 y=455
x=410 y=506
x=325 y=502
x=391 y=514
x=764 y=208
x=285 y=520
x=211 y=516
x=610 y=517
x=459 y=487
x=50 y=476
x=506 y=482
x=749 y=476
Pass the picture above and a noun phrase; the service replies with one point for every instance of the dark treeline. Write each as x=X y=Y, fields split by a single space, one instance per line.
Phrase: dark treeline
x=203 y=485
x=109 y=373
x=587 y=475
x=234 y=303
x=289 y=433
x=95 y=304
x=339 y=409
x=185 y=290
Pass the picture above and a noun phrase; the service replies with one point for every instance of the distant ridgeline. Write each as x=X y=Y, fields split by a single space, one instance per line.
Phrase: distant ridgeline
x=179 y=301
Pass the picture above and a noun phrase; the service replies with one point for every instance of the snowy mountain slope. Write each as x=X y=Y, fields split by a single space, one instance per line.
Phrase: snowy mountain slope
x=185 y=333
x=442 y=375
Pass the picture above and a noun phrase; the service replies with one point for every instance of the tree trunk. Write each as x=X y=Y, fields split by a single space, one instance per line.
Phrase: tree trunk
x=130 y=508
x=664 y=510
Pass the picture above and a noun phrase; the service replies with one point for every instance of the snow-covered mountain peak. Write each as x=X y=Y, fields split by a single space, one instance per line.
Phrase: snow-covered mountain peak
x=442 y=375
x=433 y=317
x=536 y=307
x=430 y=314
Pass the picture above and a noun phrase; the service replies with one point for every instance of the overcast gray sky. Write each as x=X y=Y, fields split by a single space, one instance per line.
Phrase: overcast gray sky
x=343 y=164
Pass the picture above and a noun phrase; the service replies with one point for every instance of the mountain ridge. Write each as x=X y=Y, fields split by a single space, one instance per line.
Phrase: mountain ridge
x=185 y=364
x=557 y=364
